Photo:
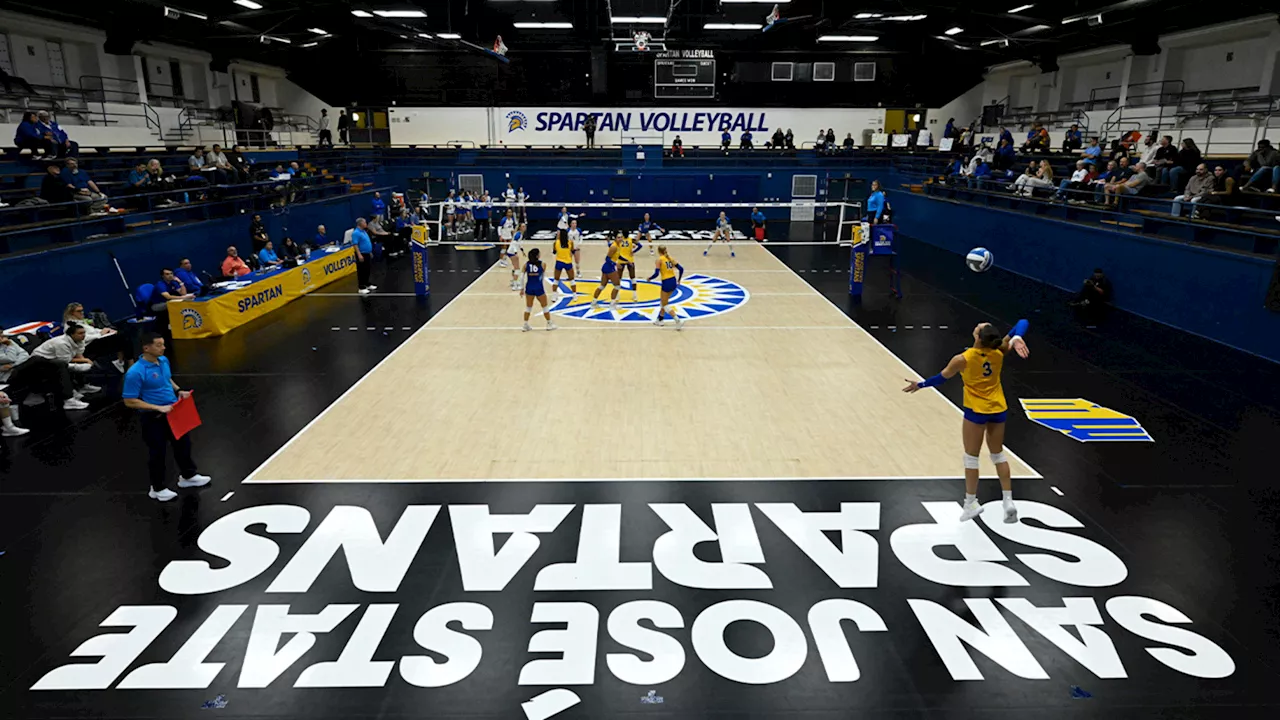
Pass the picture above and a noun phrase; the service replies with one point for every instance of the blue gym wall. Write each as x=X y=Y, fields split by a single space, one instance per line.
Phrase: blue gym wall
x=38 y=286
x=1213 y=293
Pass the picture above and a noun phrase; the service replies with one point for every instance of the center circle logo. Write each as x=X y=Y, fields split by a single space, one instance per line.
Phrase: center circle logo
x=699 y=296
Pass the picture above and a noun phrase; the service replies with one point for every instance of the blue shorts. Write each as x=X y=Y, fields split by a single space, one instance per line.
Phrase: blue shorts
x=564 y=266
x=608 y=269
x=669 y=285
x=535 y=290
x=984 y=418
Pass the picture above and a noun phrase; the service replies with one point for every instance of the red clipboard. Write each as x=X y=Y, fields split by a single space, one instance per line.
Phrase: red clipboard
x=184 y=418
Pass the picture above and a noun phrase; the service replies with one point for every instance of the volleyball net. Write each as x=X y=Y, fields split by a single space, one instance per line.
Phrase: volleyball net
x=797 y=222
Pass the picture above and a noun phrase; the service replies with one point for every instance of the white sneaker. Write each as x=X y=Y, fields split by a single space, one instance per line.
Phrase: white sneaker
x=79 y=367
x=13 y=431
x=658 y=322
x=164 y=495
x=971 y=511
x=373 y=287
x=594 y=306
x=614 y=306
x=90 y=389
x=33 y=400
x=526 y=328
x=196 y=480
x=552 y=326
x=74 y=404
x=118 y=364
x=679 y=324
x=364 y=291
x=1010 y=512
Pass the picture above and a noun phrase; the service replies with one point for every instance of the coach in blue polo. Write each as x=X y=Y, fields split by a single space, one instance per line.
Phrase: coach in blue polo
x=364 y=255
x=149 y=388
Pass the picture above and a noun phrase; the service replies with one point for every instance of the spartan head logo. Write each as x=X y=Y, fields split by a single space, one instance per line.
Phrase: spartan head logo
x=191 y=319
x=516 y=121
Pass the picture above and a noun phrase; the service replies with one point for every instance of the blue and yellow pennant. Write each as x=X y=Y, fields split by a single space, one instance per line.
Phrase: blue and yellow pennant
x=1085 y=421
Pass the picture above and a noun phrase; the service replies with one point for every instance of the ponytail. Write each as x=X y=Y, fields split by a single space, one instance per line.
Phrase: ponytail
x=564 y=239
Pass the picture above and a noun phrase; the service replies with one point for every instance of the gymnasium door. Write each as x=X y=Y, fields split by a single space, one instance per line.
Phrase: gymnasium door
x=848 y=189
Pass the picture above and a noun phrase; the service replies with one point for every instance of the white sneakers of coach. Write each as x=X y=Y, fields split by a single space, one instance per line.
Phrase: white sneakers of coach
x=196 y=480
x=973 y=510
x=74 y=404
x=164 y=495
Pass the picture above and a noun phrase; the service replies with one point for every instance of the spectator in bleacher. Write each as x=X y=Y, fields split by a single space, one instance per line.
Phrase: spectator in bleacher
x=100 y=339
x=83 y=188
x=233 y=266
x=789 y=139
x=1187 y=160
x=160 y=182
x=950 y=129
x=53 y=189
x=1225 y=189
x=848 y=143
x=321 y=238
x=1026 y=183
x=224 y=170
x=677 y=148
x=379 y=205
x=875 y=204
x=831 y=139
x=29 y=136
x=725 y=140
x=1073 y=139
x=1093 y=153
x=344 y=124
x=267 y=256
x=139 y=182
x=1101 y=180
x=745 y=143
x=980 y=173
x=187 y=276
x=364 y=256
x=258 y=233
x=62 y=359
x=1266 y=160
x=169 y=288
x=589 y=127
x=1150 y=147
x=199 y=167
x=1079 y=181
x=1004 y=156
x=325 y=136
x=49 y=129
x=1005 y=136
x=820 y=145
x=778 y=141
x=956 y=170
x=1199 y=186
x=1166 y=157
x=1124 y=170
x=243 y=168
x=1037 y=139
x=1131 y=186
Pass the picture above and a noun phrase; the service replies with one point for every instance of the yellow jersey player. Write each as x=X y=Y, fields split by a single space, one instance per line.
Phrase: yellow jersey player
x=672 y=273
x=985 y=408
x=627 y=249
x=609 y=273
x=564 y=250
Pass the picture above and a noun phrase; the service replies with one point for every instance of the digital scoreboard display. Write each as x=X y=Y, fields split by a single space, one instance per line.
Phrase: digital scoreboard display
x=684 y=74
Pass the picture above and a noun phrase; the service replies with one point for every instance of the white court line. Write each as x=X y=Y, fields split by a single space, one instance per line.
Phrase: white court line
x=794 y=478
x=902 y=362
x=514 y=294
x=373 y=294
x=356 y=384
x=227 y=496
x=1056 y=490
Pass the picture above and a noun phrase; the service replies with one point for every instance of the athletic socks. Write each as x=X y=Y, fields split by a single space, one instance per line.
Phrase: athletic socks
x=970 y=498
x=1007 y=495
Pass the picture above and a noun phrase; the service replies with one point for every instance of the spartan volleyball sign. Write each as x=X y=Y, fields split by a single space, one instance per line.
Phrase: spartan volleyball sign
x=276 y=553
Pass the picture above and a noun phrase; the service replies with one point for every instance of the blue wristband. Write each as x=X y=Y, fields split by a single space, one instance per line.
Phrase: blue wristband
x=934 y=381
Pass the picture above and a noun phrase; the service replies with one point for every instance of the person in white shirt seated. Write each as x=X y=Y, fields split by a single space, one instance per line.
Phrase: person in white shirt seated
x=60 y=363
x=100 y=342
x=11 y=356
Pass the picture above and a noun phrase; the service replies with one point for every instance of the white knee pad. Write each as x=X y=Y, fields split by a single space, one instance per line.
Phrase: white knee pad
x=970 y=462
x=999 y=457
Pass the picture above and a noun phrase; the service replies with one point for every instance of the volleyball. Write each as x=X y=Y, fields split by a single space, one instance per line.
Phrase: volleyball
x=980 y=260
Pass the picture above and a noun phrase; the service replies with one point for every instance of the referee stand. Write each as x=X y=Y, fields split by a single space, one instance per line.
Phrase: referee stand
x=873 y=240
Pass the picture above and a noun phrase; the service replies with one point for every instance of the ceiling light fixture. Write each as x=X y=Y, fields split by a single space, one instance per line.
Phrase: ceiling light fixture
x=400 y=13
x=867 y=16
x=188 y=13
x=248 y=4
x=424 y=35
x=1034 y=29
x=544 y=25
x=848 y=38
x=1002 y=42
x=1020 y=8
x=954 y=31
x=732 y=26
x=274 y=38
x=310 y=44
x=449 y=36
x=632 y=20
x=361 y=13
x=317 y=31
x=906 y=18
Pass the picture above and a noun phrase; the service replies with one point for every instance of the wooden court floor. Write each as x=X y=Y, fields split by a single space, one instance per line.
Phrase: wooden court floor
x=783 y=386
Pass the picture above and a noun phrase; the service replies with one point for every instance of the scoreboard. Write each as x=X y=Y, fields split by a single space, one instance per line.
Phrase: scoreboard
x=684 y=74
